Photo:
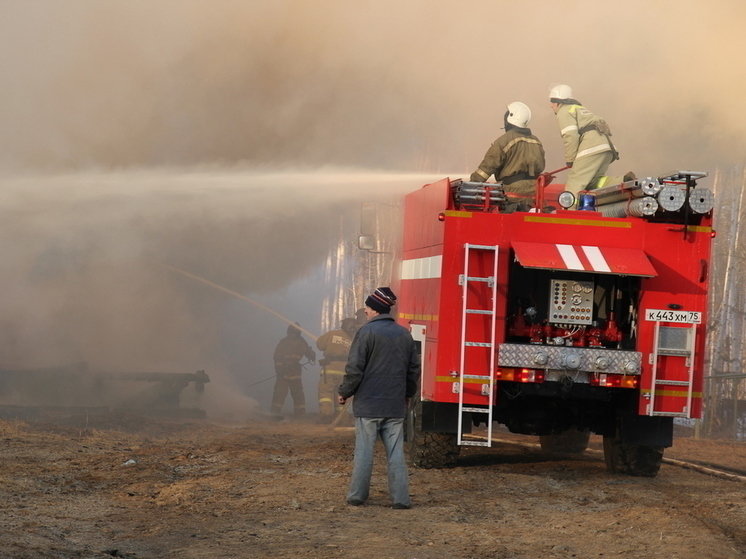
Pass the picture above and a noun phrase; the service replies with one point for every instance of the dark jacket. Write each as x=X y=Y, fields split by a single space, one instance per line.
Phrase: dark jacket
x=382 y=370
x=515 y=153
x=288 y=353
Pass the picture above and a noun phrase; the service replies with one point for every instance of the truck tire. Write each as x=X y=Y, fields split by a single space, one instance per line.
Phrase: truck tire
x=429 y=449
x=631 y=459
x=571 y=441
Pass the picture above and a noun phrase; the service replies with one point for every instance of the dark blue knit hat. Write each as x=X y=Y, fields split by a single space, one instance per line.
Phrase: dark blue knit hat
x=381 y=300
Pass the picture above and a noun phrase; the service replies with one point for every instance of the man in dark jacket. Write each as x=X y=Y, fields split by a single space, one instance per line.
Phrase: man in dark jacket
x=382 y=372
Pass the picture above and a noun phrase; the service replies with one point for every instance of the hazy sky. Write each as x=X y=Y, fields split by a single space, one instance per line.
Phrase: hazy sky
x=225 y=137
x=417 y=85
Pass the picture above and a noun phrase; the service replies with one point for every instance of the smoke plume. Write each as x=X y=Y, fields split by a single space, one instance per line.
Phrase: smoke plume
x=209 y=137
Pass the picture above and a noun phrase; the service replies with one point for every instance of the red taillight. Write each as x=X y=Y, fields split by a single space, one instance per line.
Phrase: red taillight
x=614 y=381
x=531 y=375
x=520 y=375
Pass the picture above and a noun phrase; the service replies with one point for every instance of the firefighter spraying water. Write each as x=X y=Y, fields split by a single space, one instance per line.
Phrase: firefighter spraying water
x=287 y=355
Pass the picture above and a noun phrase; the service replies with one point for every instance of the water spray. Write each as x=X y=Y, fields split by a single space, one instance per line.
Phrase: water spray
x=243 y=297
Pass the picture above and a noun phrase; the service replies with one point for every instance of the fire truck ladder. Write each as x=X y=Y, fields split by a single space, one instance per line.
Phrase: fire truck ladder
x=491 y=282
x=674 y=341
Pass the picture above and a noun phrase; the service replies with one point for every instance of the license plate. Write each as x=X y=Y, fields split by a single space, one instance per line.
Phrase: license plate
x=683 y=317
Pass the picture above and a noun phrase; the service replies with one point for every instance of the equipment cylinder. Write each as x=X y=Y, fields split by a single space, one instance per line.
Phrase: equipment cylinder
x=671 y=197
x=639 y=207
x=619 y=192
x=701 y=200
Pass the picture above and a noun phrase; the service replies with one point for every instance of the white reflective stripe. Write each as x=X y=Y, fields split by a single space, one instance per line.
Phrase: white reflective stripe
x=596 y=258
x=482 y=174
x=570 y=257
x=569 y=129
x=422 y=268
x=594 y=149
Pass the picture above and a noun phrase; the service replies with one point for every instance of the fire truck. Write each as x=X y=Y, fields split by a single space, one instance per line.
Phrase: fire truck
x=557 y=322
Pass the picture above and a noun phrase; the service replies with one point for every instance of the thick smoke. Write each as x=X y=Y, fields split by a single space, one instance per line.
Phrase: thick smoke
x=103 y=269
x=416 y=85
x=203 y=135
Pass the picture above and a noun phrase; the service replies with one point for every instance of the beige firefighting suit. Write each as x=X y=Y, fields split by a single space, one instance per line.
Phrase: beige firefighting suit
x=588 y=148
x=288 y=353
x=336 y=346
x=516 y=159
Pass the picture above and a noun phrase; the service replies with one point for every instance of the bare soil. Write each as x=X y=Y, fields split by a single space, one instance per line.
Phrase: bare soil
x=122 y=486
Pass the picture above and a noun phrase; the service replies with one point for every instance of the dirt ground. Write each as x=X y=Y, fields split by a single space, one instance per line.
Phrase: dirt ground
x=122 y=486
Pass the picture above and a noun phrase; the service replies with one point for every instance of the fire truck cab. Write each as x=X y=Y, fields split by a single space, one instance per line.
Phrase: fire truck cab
x=557 y=323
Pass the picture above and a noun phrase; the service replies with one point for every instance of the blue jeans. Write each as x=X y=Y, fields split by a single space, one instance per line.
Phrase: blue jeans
x=391 y=430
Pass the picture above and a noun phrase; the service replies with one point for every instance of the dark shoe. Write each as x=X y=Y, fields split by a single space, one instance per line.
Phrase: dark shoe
x=355 y=502
x=400 y=506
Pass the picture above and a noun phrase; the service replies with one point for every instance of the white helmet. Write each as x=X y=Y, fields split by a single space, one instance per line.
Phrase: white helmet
x=518 y=114
x=561 y=91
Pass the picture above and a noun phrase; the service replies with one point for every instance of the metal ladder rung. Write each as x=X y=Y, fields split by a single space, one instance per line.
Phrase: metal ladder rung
x=477 y=344
x=671 y=413
x=474 y=443
x=673 y=382
x=485 y=280
x=478 y=311
x=481 y=247
x=476 y=410
x=478 y=377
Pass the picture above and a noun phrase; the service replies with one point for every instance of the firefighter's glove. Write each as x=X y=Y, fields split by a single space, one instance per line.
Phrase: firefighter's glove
x=569 y=164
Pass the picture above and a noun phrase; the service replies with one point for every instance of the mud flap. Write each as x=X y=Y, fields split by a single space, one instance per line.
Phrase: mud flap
x=442 y=417
x=645 y=430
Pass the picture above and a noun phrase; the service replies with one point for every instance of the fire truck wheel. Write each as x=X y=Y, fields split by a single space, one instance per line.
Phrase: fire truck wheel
x=571 y=441
x=631 y=459
x=428 y=449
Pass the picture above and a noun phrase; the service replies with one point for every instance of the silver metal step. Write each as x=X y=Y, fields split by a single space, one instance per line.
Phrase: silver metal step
x=474 y=443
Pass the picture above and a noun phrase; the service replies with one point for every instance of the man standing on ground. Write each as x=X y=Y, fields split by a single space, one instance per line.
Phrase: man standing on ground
x=382 y=373
x=288 y=353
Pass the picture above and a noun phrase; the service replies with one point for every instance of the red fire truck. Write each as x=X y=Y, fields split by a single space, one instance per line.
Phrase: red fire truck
x=554 y=322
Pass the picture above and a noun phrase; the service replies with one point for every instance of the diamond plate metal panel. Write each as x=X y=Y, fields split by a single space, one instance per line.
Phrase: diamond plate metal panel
x=612 y=361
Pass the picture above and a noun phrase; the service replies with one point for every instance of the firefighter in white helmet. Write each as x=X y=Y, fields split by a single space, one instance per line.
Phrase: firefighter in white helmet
x=587 y=139
x=516 y=159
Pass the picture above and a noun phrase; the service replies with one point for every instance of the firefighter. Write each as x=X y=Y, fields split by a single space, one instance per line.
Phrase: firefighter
x=588 y=147
x=516 y=159
x=336 y=346
x=288 y=354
